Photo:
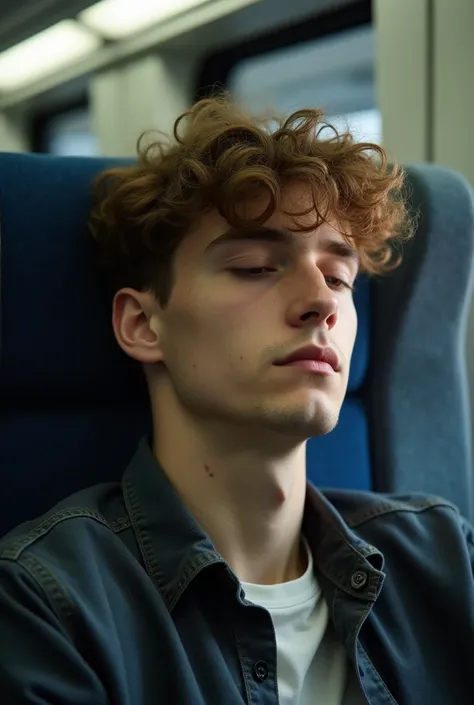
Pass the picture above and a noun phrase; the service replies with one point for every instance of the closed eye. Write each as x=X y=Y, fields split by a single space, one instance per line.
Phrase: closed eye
x=257 y=272
x=251 y=272
x=338 y=284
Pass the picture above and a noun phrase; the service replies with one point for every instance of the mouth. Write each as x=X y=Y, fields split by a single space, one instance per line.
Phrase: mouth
x=316 y=366
x=312 y=358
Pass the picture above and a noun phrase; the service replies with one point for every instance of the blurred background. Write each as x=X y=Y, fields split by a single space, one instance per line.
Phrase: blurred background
x=86 y=78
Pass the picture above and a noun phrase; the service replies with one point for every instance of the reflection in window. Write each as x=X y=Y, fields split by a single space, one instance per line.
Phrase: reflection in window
x=335 y=73
x=71 y=134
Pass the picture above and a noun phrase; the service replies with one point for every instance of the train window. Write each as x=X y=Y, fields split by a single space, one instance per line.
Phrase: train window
x=334 y=72
x=69 y=133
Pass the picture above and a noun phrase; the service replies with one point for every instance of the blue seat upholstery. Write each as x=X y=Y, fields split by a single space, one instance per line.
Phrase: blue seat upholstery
x=72 y=405
x=342 y=458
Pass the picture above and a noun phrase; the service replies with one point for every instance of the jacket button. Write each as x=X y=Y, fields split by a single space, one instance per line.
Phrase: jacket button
x=358 y=579
x=261 y=671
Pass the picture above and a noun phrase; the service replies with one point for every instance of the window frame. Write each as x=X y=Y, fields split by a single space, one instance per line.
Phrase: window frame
x=217 y=67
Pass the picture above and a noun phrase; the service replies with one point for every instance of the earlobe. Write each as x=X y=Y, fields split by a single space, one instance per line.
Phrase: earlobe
x=136 y=325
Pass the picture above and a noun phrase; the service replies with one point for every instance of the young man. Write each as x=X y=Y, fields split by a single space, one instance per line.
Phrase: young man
x=214 y=574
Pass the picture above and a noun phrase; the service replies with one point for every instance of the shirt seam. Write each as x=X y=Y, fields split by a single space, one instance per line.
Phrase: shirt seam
x=132 y=502
x=50 y=586
x=15 y=547
x=238 y=644
x=120 y=524
x=379 y=677
x=390 y=509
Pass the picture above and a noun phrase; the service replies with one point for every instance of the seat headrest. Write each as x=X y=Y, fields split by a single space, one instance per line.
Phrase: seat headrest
x=57 y=340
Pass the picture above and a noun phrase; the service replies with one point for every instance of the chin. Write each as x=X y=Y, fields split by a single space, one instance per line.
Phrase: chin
x=301 y=421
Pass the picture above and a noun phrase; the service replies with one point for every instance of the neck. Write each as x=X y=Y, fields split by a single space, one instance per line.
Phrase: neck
x=249 y=499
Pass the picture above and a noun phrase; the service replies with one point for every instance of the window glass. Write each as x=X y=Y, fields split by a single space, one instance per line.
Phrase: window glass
x=70 y=133
x=335 y=73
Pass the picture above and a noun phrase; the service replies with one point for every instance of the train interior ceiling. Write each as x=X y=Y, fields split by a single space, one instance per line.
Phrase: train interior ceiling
x=86 y=78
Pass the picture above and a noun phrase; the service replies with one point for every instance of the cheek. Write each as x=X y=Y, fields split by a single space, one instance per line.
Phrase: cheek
x=353 y=334
x=348 y=327
x=353 y=320
x=197 y=320
x=224 y=313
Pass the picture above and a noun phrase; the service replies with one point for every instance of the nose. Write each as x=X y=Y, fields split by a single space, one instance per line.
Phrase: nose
x=314 y=303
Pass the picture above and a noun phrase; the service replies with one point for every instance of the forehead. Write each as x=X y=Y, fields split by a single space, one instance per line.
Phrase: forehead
x=295 y=199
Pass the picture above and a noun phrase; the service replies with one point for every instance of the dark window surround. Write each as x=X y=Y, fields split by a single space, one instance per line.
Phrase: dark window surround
x=38 y=127
x=217 y=67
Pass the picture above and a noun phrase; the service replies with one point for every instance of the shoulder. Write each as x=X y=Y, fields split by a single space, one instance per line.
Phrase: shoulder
x=60 y=590
x=358 y=507
x=68 y=528
x=401 y=520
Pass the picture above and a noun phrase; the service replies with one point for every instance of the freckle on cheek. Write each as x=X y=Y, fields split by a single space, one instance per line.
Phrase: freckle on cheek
x=207 y=469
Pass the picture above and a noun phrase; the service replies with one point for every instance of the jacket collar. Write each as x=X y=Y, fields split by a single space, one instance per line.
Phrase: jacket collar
x=175 y=548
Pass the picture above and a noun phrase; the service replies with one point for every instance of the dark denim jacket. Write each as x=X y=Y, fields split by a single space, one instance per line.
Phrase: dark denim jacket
x=118 y=596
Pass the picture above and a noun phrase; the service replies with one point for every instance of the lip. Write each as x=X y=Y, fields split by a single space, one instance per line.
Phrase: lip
x=312 y=358
x=316 y=366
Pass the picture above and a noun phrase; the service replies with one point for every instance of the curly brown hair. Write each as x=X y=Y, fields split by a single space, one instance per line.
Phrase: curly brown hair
x=222 y=157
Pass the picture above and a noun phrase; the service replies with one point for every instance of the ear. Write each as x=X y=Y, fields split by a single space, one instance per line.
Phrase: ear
x=135 y=322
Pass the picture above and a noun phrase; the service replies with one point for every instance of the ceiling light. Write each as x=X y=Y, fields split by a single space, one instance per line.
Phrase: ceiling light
x=45 y=53
x=115 y=19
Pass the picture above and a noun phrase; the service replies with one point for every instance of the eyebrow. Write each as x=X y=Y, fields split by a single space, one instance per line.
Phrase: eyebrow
x=262 y=233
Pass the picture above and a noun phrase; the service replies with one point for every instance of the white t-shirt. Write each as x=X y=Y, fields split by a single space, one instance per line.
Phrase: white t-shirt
x=312 y=666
